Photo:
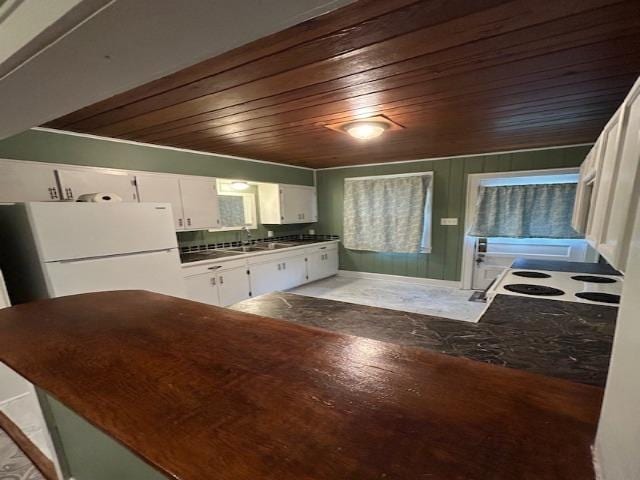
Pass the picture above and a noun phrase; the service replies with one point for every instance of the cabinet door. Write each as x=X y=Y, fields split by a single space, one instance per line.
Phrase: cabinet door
x=203 y=288
x=624 y=196
x=297 y=204
x=156 y=188
x=200 y=203
x=294 y=272
x=27 y=182
x=322 y=264
x=582 y=203
x=233 y=286
x=607 y=160
x=266 y=277
x=74 y=183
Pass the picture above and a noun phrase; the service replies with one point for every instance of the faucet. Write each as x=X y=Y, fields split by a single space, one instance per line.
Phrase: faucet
x=248 y=232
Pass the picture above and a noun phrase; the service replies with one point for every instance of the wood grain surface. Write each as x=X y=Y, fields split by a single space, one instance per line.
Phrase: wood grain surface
x=204 y=392
x=462 y=77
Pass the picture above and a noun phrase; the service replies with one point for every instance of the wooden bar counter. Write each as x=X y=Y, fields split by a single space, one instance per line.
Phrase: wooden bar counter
x=144 y=386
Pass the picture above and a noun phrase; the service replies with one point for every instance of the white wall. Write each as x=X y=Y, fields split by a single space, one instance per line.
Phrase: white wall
x=617 y=450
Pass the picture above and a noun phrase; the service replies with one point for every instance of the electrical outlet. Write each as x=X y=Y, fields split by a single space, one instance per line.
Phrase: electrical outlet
x=448 y=221
x=312 y=231
x=269 y=233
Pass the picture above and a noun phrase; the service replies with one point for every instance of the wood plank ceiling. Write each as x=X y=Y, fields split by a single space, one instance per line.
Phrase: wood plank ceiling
x=461 y=76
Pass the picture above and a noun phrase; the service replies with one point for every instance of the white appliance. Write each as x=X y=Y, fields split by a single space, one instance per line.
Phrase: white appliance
x=563 y=286
x=51 y=249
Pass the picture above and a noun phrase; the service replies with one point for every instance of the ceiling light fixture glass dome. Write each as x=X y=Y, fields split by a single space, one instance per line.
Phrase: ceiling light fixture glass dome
x=363 y=130
x=239 y=185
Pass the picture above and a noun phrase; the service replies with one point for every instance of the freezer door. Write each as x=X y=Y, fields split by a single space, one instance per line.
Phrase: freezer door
x=67 y=231
x=154 y=271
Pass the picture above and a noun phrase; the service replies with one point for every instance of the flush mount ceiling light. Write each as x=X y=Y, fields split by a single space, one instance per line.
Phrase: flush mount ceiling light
x=365 y=128
x=239 y=185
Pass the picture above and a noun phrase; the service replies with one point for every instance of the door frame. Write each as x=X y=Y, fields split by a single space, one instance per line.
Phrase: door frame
x=473 y=182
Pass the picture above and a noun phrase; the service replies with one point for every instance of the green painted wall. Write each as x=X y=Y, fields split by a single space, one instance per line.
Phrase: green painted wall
x=449 y=196
x=44 y=146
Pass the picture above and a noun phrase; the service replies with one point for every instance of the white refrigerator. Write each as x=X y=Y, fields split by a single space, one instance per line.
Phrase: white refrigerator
x=52 y=249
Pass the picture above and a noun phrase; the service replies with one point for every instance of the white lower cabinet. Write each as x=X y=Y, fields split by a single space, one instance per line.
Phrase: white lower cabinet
x=203 y=288
x=322 y=262
x=229 y=281
x=233 y=286
x=221 y=283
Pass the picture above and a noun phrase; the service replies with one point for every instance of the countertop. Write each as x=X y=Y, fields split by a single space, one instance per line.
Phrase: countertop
x=560 y=266
x=201 y=392
x=567 y=340
x=295 y=245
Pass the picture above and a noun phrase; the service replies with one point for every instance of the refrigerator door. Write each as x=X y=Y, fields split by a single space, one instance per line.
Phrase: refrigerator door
x=67 y=231
x=154 y=271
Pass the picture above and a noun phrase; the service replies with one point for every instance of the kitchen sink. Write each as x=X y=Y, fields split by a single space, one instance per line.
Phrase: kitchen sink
x=206 y=255
x=246 y=249
x=278 y=245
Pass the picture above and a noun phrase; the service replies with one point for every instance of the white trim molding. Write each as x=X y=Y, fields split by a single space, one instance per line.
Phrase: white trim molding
x=504 y=152
x=432 y=282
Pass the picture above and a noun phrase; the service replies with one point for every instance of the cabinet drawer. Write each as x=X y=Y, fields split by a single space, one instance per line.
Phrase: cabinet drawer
x=322 y=247
x=213 y=266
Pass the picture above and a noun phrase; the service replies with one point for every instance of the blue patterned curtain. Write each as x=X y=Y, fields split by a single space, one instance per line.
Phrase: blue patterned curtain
x=525 y=211
x=386 y=214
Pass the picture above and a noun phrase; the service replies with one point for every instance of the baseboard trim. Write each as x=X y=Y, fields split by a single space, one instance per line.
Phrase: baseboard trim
x=432 y=282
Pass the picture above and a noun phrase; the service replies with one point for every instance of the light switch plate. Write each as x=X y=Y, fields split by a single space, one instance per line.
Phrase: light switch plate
x=448 y=221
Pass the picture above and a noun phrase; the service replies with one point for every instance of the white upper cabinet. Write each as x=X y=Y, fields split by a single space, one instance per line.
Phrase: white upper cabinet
x=284 y=204
x=27 y=182
x=609 y=188
x=584 y=193
x=623 y=196
x=164 y=189
x=74 y=183
x=606 y=160
x=200 y=203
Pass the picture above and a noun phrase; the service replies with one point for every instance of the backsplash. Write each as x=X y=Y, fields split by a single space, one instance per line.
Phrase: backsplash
x=238 y=243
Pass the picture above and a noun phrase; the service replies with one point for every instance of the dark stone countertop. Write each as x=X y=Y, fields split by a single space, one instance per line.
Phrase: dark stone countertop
x=568 y=340
x=560 y=266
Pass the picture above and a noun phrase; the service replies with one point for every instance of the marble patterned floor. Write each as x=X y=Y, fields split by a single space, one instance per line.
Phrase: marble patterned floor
x=14 y=465
x=407 y=297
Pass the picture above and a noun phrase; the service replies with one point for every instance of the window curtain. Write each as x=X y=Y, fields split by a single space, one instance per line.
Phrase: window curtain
x=386 y=214
x=231 y=210
x=525 y=211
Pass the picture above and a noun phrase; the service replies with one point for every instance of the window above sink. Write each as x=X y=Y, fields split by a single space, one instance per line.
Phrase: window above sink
x=237 y=208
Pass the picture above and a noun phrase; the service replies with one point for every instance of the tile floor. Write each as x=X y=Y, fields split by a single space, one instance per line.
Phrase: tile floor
x=14 y=465
x=407 y=297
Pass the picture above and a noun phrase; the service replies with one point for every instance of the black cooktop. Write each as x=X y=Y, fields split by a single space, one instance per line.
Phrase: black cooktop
x=529 y=274
x=594 y=279
x=537 y=290
x=599 y=297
